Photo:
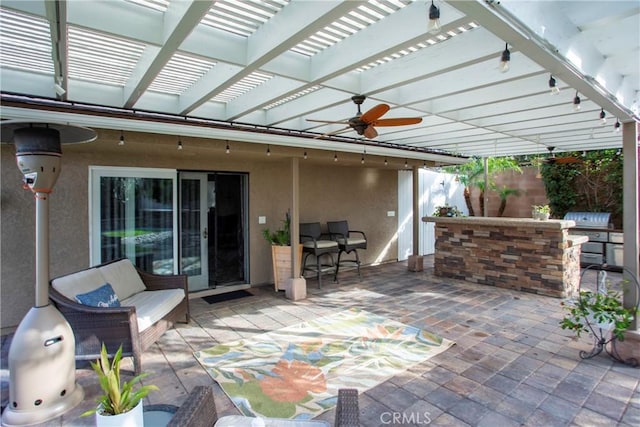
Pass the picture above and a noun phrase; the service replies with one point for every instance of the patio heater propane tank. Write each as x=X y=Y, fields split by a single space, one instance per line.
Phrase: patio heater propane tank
x=42 y=354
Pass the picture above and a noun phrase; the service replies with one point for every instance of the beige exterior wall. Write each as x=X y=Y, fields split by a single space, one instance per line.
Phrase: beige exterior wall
x=362 y=194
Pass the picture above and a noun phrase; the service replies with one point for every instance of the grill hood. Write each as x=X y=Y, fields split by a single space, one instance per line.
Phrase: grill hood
x=589 y=219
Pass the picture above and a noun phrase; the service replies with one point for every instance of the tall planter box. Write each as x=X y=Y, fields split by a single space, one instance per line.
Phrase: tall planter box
x=281 y=256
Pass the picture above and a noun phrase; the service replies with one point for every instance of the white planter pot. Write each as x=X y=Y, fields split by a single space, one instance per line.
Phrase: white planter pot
x=605 y=326
x=133 y=418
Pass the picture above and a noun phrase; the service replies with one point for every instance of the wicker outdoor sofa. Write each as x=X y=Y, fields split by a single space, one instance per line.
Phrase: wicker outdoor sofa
x=149 y=305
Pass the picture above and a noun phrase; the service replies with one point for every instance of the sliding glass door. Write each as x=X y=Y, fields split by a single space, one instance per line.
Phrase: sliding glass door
x=132 y=215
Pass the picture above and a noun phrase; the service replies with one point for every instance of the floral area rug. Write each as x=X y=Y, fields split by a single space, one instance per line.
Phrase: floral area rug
x=295 y=372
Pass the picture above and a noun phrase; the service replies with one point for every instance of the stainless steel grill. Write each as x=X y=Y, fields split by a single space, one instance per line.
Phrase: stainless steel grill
x=589 y=219
x=594 y=225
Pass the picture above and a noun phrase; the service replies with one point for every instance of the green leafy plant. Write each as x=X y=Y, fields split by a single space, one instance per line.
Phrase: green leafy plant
x=543 y=209
x=595 y=308
x=118 y=397
x=594 y=184
x=447 y=210
x=281 y=236
x=471 y=175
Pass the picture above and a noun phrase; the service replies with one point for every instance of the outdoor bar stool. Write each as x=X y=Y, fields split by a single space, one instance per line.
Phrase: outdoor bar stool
x=348 y=241
x=311 y=238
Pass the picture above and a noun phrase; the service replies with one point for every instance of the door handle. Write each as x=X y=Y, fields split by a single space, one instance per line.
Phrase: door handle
x=205 y=233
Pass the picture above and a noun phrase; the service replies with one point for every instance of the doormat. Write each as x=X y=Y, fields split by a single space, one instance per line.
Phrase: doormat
x=296 y=372
x=227 y=296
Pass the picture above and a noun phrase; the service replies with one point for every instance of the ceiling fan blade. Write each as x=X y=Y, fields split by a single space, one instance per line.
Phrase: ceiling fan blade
x=342 y=122
x=566 y=160
x=400 y=121
x=335 y=132
x=374 y=113
x=370 y=132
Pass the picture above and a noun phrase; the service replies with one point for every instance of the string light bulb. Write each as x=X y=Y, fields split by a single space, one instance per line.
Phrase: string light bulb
x=227 y=150
x=603 y=117
x=179 y=144
x=553 y=86
x=386 y=162
x=576 y=102
x=505 y=59
x=616 y=127
x=406 y=164
x=268 y=150
x=304 y=156
x=121 y=142
x=433 y=26
x=335 y=156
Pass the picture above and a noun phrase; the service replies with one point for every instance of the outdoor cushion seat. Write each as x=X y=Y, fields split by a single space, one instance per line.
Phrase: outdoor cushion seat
x=320 y=244
x=153 y=305
x=149 y=305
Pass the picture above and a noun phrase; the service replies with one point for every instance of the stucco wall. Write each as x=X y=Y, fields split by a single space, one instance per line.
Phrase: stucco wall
x=328 y=191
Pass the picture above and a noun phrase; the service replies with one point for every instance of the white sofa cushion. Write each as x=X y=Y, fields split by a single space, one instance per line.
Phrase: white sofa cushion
x=152 y=306
x=79 y=283
x=124 y=278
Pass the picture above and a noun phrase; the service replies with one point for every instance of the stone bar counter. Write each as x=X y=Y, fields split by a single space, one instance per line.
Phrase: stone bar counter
x=515 y=253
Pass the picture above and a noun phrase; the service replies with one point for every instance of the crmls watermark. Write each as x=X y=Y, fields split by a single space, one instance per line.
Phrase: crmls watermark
x=399 y=418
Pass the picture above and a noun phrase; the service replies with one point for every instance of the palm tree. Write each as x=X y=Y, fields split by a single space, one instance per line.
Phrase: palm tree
x=504 y=193
x=471 y=175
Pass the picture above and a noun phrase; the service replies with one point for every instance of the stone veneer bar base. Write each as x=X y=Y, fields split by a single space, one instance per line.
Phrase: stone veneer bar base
x=514 y=253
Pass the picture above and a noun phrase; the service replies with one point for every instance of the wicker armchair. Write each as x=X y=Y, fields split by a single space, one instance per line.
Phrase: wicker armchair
x=347 y=409
x=198 y=410
x=115 y=326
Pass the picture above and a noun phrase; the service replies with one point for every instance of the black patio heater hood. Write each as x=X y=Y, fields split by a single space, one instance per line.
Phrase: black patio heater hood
x=42 y=354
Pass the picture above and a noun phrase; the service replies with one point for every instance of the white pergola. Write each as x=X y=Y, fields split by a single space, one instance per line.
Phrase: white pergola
x=256 y=70
x=272 y=64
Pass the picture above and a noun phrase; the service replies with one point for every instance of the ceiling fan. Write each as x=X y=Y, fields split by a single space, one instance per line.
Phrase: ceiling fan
x=364 y=124
x=552 y=159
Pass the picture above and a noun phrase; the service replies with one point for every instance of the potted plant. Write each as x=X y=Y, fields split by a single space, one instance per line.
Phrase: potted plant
x=598 y=313
x=541 y=212
x=446 y=210
x=119 y=405
x=280 y=241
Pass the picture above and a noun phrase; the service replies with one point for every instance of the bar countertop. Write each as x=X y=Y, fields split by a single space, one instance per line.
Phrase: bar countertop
x=501 y=221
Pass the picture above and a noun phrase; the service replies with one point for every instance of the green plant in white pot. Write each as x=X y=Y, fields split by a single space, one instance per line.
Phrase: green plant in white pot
x=119 y=405
x=601 y=310
x=541 y=212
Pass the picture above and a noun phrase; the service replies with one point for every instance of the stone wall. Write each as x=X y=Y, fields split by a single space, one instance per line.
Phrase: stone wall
x=520 y=254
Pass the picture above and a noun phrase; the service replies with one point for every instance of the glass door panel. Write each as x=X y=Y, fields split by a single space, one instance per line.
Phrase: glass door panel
x=194 y=229
x=137 y=221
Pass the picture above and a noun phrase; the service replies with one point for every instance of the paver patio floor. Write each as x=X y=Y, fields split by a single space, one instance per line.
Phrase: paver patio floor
x=512 y=365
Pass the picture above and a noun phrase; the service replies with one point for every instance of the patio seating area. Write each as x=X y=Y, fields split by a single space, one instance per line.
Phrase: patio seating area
x=512 y=364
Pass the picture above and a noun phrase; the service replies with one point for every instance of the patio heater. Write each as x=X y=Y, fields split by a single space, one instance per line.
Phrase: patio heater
x=42 y=353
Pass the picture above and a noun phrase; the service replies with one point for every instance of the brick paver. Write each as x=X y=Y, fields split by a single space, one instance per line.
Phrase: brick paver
x=512 y=365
